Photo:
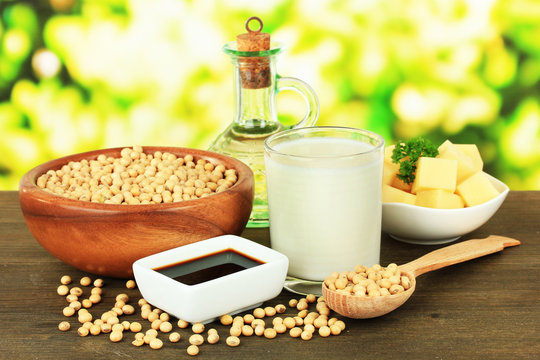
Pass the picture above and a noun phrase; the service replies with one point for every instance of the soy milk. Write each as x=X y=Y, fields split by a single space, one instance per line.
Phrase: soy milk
x=324 y=197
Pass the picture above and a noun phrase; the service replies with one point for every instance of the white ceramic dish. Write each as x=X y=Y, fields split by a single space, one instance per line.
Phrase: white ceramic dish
x=205 y=301
x=426 y=226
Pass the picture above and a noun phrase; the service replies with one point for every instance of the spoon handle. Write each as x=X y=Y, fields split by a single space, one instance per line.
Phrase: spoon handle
x=457 y=253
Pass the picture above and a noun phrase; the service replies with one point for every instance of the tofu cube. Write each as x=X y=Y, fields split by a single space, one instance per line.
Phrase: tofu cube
x=465 y=166
x=400 y=184
x=477 y=189
x=443 y=146
x=471 y=150
x=390 y=194
x=391 y=169
x=389 y=173
x=439 y=199
x=435 y=173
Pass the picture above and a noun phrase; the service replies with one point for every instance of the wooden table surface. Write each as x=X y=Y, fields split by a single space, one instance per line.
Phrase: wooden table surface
x=487 y=308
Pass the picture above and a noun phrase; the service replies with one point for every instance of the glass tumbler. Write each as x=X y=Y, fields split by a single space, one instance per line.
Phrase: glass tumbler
x=324 y=196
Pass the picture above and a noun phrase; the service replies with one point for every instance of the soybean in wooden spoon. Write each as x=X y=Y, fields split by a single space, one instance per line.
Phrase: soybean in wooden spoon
x=369 y=307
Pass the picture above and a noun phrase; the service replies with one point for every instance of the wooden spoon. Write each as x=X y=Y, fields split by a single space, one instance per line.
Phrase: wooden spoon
x=368 y=307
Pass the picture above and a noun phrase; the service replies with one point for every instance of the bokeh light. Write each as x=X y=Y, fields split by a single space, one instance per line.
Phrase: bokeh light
x=78 y=75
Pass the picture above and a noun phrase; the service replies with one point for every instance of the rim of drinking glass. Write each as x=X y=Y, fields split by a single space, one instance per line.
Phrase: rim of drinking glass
x=231 y=49
x=372 y=134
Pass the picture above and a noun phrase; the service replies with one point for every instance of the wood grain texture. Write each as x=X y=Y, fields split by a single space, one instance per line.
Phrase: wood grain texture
x=486 y=308
x=106 y=239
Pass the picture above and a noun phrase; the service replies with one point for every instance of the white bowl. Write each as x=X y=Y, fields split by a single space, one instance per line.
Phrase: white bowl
x=228 y=294
x=426 y=226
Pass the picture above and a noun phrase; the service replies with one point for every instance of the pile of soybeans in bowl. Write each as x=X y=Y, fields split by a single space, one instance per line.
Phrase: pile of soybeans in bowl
x=138 y=178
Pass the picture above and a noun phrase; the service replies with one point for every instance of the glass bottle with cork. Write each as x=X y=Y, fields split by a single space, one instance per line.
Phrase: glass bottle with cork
x=256 y=85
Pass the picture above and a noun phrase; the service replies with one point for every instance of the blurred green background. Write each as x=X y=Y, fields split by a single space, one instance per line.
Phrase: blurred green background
x=90 y=74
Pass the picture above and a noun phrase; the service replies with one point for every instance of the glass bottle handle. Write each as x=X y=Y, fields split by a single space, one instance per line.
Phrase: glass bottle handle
x=307 y=93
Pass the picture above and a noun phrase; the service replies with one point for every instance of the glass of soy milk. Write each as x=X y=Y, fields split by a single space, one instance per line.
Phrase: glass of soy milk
x=324 y=196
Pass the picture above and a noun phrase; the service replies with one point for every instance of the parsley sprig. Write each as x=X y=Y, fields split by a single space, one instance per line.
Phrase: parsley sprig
x=406 y=153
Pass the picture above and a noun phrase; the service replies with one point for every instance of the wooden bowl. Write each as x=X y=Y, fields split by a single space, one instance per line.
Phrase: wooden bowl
x=106 y=239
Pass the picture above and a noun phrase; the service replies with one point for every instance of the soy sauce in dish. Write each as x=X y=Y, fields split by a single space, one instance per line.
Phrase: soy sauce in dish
x=209 y=266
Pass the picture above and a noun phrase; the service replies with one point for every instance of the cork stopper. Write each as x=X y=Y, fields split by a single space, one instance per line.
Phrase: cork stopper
x=254 y=71
x=253 y=40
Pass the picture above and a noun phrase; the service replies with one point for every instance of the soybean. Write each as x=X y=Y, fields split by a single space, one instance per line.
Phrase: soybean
x=259 y=313
x=135 y=327
x=68 y=311
x=182 y=324
x=156 y=344
x=232 y=341
x=64 y=326
x=197 y=328
x=295 y=332
x=226 y=320
x=62 y=290
x=270 y=333
x=247 y=330
x=77 y=291
x=196 y=339
x=116 y=336
x=324 y=331
x=192 y=350
x=213 y=338
x=259 y=330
